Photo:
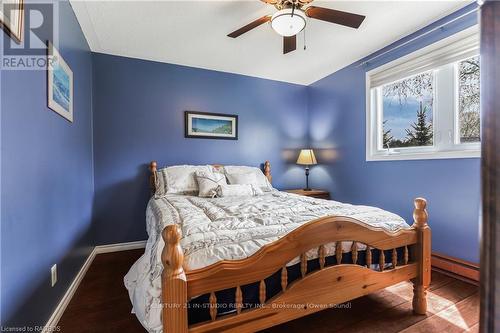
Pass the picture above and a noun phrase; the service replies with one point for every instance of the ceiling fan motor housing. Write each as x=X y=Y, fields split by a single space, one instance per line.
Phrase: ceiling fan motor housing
x=282 y=4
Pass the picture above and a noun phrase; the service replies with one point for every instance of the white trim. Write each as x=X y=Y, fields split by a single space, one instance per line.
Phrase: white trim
x=61 y=307
x=369 y=123
x=120 y=247
x=439 y=155
x=66 y=299
x=461 y=45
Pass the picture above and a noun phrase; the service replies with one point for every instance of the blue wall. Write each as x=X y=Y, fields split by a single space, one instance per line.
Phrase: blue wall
x=134 y=109
x=47 y=183
x=337 y=114
x=139 y=116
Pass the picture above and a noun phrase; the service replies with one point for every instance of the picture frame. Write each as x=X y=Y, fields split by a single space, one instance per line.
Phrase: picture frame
x=12 y=18
x=205 y=125
x=59 y=84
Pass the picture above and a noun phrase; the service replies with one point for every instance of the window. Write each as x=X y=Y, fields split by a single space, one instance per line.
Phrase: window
x=468 y=92
x=407 y=112
x=426 y=105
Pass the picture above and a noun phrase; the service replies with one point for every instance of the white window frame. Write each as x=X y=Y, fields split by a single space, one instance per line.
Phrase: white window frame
x=441 y=58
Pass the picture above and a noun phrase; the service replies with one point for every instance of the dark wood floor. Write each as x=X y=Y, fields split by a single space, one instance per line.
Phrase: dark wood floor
x=101 y=304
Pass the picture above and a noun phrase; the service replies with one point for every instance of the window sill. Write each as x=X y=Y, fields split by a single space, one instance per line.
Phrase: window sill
x=402 y=156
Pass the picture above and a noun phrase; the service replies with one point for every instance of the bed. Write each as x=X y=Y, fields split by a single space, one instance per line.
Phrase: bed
x=245 y=264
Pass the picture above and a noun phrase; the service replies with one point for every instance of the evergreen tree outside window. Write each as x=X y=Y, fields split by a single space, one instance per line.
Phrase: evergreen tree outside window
x=407 y=112
x=420 y=133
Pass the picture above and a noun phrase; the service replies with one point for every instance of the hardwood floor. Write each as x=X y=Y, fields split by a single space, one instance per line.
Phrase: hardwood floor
x=101 y=304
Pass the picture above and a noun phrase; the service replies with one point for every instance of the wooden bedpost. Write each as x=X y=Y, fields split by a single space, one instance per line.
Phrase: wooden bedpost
x=422 y=256
x=174 y=283
x=152 y=178
x=267 y=171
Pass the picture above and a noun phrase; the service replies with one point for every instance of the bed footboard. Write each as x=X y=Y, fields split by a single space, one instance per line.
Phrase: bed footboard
x=329 y=285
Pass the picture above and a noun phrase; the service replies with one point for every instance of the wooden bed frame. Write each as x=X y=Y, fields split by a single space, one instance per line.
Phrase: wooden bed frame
x=328 y=285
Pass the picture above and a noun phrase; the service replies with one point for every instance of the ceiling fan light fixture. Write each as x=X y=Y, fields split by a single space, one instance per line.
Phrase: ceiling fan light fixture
x=286 y=23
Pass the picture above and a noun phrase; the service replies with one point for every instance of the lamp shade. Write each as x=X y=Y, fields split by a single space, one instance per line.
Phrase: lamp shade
x=306 y=157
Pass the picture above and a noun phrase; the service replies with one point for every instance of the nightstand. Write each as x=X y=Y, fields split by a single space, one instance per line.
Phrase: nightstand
x=320 y=194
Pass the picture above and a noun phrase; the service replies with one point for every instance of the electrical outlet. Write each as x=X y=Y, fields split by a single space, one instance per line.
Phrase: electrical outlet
x=53 y=274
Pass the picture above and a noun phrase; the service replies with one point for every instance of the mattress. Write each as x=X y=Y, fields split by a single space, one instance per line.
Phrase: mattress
x=215 y=229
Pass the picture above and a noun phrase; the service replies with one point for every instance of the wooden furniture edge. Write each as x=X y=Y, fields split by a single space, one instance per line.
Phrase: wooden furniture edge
x=454 y=267
x=332 y=285
x=270 y=257
x=175 y=284
x=489 y=12
x=313 y=193
x=423 y=257
x=153 y=177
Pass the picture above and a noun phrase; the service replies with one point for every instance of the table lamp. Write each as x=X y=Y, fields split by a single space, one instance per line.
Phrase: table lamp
x=307 y=158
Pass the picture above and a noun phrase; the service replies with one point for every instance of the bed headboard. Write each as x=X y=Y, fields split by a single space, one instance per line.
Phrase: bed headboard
x=153 y=168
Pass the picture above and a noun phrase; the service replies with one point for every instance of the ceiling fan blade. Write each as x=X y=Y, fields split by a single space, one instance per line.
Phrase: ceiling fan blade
x=250 y=26
x=289 y=44
x=335 y=16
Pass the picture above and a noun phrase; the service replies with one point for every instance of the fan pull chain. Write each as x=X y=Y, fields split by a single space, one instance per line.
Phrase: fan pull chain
x=305 y=39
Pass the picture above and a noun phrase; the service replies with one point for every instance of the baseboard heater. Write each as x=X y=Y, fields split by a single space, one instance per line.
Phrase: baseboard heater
x=457 y=268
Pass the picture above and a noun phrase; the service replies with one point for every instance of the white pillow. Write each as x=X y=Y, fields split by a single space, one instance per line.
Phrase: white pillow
x=261 y=181
x=179 y=179
x=238 y=190
x=242 y=178
x=208 y=182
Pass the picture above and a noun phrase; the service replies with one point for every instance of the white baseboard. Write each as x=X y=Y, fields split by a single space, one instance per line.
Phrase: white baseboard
x=61 y=307
x=120 y=247
x=57 y=314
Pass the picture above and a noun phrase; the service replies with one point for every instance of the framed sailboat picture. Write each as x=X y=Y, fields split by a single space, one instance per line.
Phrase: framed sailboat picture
x=60 y=84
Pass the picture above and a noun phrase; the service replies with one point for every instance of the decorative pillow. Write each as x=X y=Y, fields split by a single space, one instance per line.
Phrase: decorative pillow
x=208 y=182
x=261 y=181
x=238 y=190
x=217 y=169
x=179 y=179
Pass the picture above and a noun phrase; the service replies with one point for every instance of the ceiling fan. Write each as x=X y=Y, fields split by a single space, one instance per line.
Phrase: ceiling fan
x=291 y=18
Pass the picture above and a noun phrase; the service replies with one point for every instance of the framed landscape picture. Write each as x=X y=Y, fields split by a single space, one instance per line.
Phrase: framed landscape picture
x=60 y=84
x=11 y=18
x=211 y=125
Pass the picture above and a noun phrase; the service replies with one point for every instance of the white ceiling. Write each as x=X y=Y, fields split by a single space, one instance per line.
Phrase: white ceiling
x=193 y=33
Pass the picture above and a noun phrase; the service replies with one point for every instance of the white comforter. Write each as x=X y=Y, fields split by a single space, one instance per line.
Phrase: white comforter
x=229 y=228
